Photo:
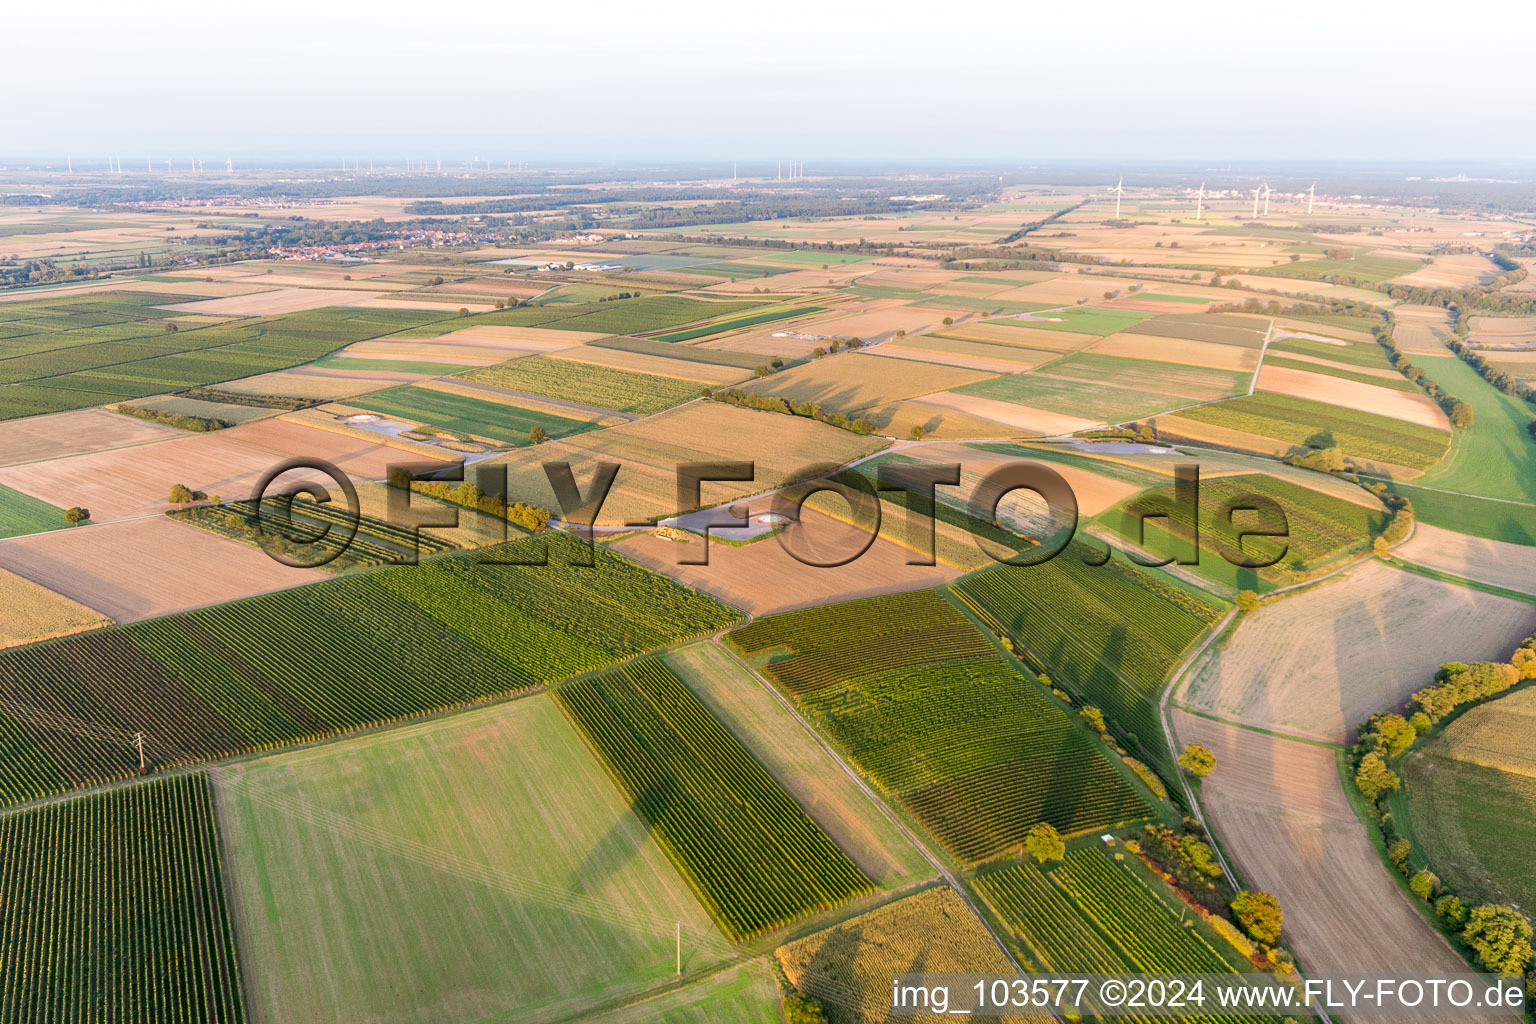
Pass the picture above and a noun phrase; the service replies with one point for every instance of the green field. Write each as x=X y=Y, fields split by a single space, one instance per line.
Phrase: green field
x=928 y=708
x=1217 y=328
x=1513 y=522
x=422 y=366
x=1470 y=800
x=1110 y=634
x=113 y=908
x=1094 y=914
x=1322 y=529
x=806 y=258
x=366 y=649
x=71 y=353
x=479 y=867
x=1352 y=353
x=791 y=754
x=600 y=386
x=21 y=514
x=1110 y=389
x=753 y=856
x=465 y=415
x=376 y=541
x=1081 y=320
x=1366 y=270
x=1301 y=421
x=1494 y=458
x=737 y=322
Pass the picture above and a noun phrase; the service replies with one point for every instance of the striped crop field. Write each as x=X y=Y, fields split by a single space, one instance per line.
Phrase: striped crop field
x=926 y=705
x=1111 y=634
x=112 y=911
x=313 y=662
x=754 y=857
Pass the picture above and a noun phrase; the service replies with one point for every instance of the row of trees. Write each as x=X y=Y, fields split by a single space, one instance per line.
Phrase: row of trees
x=1496 y=936
x=1505 y=382
x=1457 y=411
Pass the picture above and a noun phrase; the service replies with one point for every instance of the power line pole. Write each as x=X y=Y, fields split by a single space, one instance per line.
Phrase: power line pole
x=138 y=741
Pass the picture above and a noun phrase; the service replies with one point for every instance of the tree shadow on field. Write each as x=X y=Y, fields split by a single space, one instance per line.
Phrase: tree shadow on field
x=619 y=845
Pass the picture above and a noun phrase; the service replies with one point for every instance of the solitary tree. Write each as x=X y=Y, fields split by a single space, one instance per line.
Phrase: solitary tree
x=1094 y=717
x=949 y=321
x=1381 y=548
x=1198 y=760
x=1044 y=843
x=1258 y=914
x=76 y=515
x=918 y=433
x=1247 y=601
x=536 y=434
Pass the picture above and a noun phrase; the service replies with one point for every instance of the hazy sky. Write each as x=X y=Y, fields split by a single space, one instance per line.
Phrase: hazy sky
x=830 y=80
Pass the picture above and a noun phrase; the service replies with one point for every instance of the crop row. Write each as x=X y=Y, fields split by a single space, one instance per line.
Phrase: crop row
x=1110 y=633
x=376 y=542
x=1300 y=421
x=112 y=911
x=588 y=384
x=315 y=661
x=754 y=857
x=1138 y=920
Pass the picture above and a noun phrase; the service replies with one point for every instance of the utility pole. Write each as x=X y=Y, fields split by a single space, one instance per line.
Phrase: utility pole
x=138 y=741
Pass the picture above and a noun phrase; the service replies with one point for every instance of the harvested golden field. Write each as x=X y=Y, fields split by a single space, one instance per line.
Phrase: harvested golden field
x=898 y=419
x=271 y=303
x=300 y=435
x=876 y=323
x=29 y=612
x=661 y=366
x=63 y=434
x=983 y=363
x=321 y=385
x=852 y=381
x=1409 y=406
x=1020 y=418
x=762 y=578
x=135 y=481
x=1459 y=271
x=650 y=451
x=147 y=567
x=1279 y=807
x=1178 y=350
x=1095 y=492
x=1316 y=663
x=526 y=339
x=1487 y=561
x=849 y=966
x=1503 y=330
x=1018 y=333
x=1421 y=329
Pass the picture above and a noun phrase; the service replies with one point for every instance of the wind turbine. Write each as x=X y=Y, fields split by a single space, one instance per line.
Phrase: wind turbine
x=1119 y=191
x=1311 y=195
x=1200 y=203
x=1267 y=191
x=1255 y=204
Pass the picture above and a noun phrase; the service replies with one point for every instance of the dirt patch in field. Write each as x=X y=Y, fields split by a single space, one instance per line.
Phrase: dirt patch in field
x=881 y=323
x=1178 y=350
x=762 y=578
x=1318 y=662
x=1279 y=808
x=148 y=567
x=271 y=303
x=949 y=359
x=135 y=481
x=320 y=385
x=1488 y=561
x=1409 y=406
x=1019 y=417
x=30 y=612
x=1457 y=271
x=63 y=434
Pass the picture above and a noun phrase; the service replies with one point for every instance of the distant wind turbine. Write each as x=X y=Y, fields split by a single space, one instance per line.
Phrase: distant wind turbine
x=1200 y=203
x=1267 y=191
x=1119 y=191
x=1255 y=204
x=1311 y=195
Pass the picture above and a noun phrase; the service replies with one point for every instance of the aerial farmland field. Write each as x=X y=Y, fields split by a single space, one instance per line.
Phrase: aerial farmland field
x=661 y=605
